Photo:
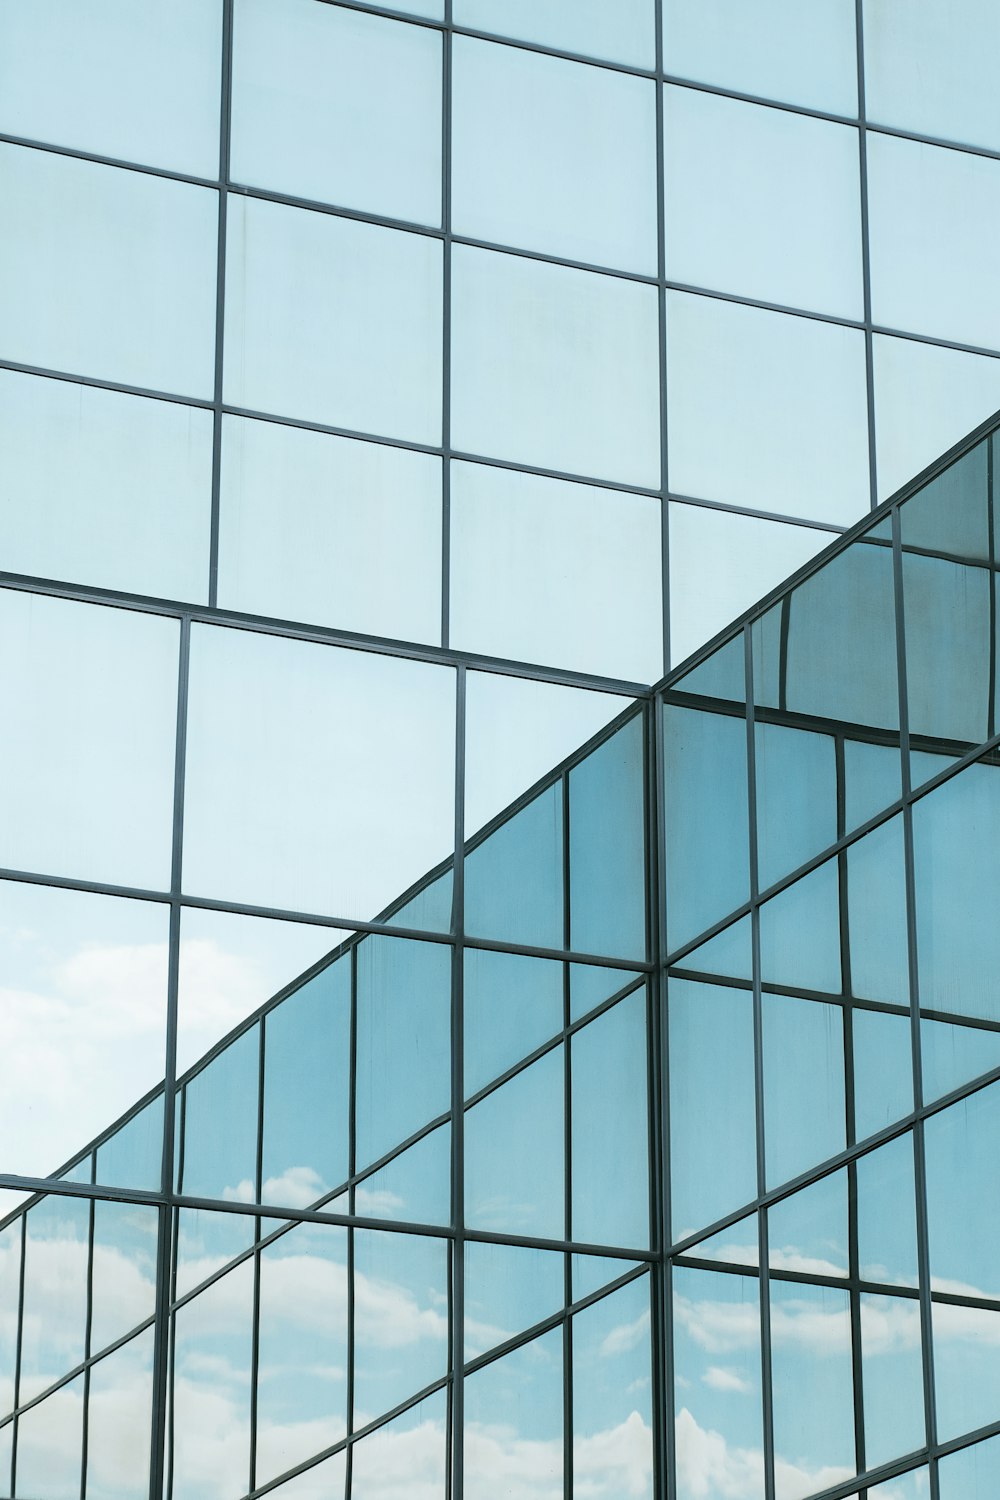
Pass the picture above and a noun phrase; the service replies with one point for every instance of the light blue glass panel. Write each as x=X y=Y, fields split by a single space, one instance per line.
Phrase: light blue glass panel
x=707 y=829
x=947 y=611
x=796 y=798
x=49 y=1453
x=951 y=513
x=812 y=1385
x=302 y=1358
x=622 y=33
x=961 y=1146
x=887 y=1222
x=319 y=307
x=508 y=1290
x=400 y=1318
x=403 y=1041
x=956 y=831
x=207 y=1241
x=607 y=846
x=712 y=1121
x=612 y=1394
x=313 y=118
x=872 y=780
x=139 y=81
x=514 y=1414
x=721 y=675
x=717 y=1381
x=590 y=984
x=10 y=1295
x=512 y=1004
x=514 y=878
x=790 y=395
x=941 y=282
x=808 y=1233
x=307 y=1057
x=123 y=1286
x=324 y=1481
x=728 y=954
x=783 y=220
x=107 y=273
x=842 y=641
x=610 y=1143
x=800 y=933
x=972 y=1473
x=97 y=803
x=883 y=1070
x=514 y=1154
x=321 y=528
x=212 y=1360
x=430 y=908
x=966 y=1368
x=414 y=1186
x=119 y=1423
x=804 y=1120
x=101 y=488
x=892 y=1372
x=132 y=1157
x=953 y=1055
x=777 y=48
x=219 y=1146
x=572 y=171
x=928 y=70
x=412 y=1450
x=6 y=1455
x=591 y=1273
x=55 y=1292
x=876 y=907
x=572 y=378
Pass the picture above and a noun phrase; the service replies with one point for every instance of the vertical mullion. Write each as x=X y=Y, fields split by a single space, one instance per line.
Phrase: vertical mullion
x=19 y=1350
x=163 y=1247
x=352 y=1164
x=661 y=295
x=225 y=113
x=656 y=1070
x=446 y=72
x=866 y=252
x=567 y=1327
x=919 y=1168
x=258 y=1233
x=991 y=713
x=758 y=1048
x=88 y=1337
x=456 y=1405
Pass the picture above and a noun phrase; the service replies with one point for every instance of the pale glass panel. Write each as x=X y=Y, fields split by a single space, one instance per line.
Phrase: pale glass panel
x=104 y=489
x=556 y=573
x=318 y=779
x=49 y=1451
x=555 y=367
x=930 y=68
x=766 y=410
x=324 y=529
x=87 y=755
x=119 y=1423
x=333 y=320
x=926 y=399
x=782 y=222
x=933 y=223
x=721 y=563
x=782 y=49
x=138 y=80
x=571 y=170
x=338 y=106
x=622 y=32
x=107 y=273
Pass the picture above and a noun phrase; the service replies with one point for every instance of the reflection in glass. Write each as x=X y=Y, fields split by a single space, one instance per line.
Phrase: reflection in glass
x=972 y=1473
x=414 y=1186
x=507 y=1290
x=123 y=1276
x=800 y=933
x=406 y=1456
x=514 y=1420
x=514 y=1154
x=952 y=1055
x=55 y=1292
x=511 y=1005
x=400 y=1318
x=220 y=1118
x=961 y=1146
x=804 y=1120
x=893 y=1377
x=612 y=1396
x=610 y=1142
x=210 y=1452
x=49 y=1445
x=966 y=1367
x=812 y=1386
x=607 y=839
x=876 y=909
x=796 y=798
x=887 y=1225
x=947 y=610
x=514 y=878
x=807 y=1232
x=119 y=1415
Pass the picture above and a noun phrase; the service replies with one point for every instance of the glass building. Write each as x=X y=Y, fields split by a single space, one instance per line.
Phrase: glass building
x=440 y=1054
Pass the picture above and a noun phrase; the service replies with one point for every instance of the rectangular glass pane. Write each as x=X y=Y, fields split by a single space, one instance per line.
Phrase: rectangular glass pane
x=610 y=1145
x=607 y=838
x=623 y=33
x=400 y=1319
x=119 y=1421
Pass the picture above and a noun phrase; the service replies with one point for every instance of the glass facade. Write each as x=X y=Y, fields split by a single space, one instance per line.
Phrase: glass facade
x=396 y=1097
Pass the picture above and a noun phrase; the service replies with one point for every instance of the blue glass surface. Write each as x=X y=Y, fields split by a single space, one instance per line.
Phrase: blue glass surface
x=804 y=1120
x=796 y=775
x=514 y=1154
x=883 y=1070
x=607 y=841
x=219 y=1150
x=512 y=1004
x=513 y=880
x=800 y=933
x=610 y=1138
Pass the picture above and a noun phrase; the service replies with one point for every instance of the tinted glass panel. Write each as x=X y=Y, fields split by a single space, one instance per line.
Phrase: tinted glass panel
x=623 y=34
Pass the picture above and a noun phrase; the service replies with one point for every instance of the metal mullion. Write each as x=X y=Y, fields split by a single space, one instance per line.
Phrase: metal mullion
x=866 y=277
x=87 y=1346
x=455 y=1463
x=758 y=1048
x=661 y=299
x=258 y=1235
x=991 y=716
x=658 y=1083
x=18 y=1349
x=352 y=1153
x=567 y=1331
x=446 y=259
x=225 y=123
x=919 y=1165
x=757 y=513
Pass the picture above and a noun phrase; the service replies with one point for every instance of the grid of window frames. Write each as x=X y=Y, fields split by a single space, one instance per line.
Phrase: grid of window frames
x=482 y=1194
x=256 y=249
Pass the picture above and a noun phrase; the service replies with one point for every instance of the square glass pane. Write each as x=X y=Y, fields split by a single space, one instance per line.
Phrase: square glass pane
x=555 y=367
x=571 y=171
x=782 y=222
x=101 y=488
x=320 y=308
x=766 y=410
x=299 y=791
x=933 y=217
x=337 y=106
x=928 y=70
x=107 y=273
x=330 y=531
x=551 y=572
x=781 y=49
x=139 y=81
x=87 y=757
x=623 y=32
